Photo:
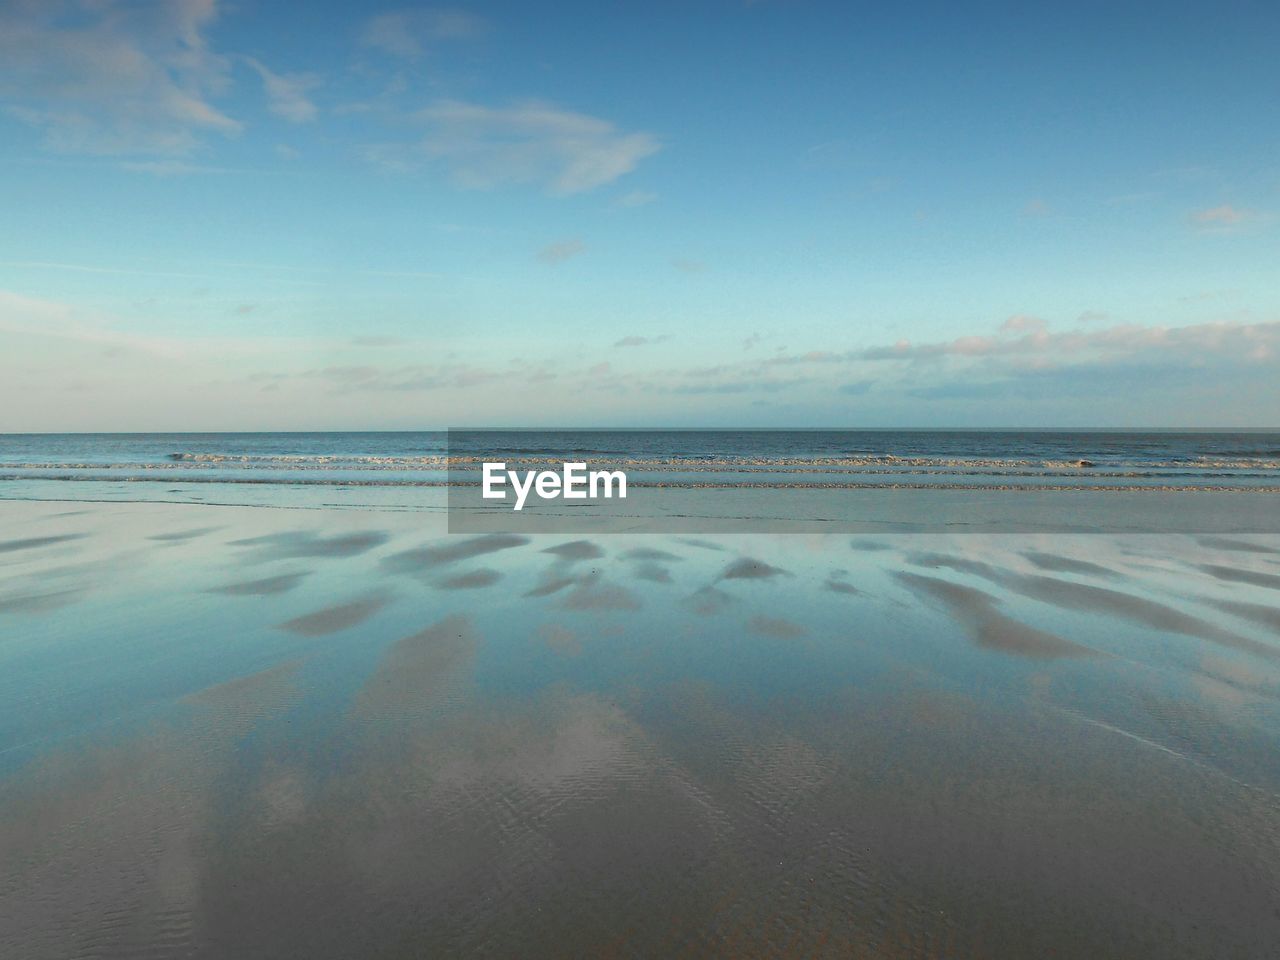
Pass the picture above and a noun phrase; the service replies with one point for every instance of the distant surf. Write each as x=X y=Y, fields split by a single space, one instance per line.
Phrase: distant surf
x=944 y=459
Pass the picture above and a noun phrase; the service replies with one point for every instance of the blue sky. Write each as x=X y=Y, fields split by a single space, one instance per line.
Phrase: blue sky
x=307 y=216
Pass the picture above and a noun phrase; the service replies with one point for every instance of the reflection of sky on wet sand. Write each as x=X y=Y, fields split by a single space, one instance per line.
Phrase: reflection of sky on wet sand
x=237 y=732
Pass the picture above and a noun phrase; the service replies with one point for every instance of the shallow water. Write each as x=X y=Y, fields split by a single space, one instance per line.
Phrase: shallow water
x=237 y=732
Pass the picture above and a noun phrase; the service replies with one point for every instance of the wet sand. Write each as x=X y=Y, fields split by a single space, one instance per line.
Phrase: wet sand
x=238 y=732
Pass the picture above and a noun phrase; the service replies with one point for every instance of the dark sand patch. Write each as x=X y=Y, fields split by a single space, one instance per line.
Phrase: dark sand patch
x=86 y=572
x=103 y=845
x=425 y=558
x=408 y=680
x=39 y=602
x=1241 y=546
x=32 y=543
x=959 y=564
x=1257 y=612
x=989 y=627
x=747 y=568
x=471 y=580
x=839 y=586
x=1059 y=564
x=701 y=544
x=653 y=572
x=1091 y=599
x=305 y=543
x=649 y=553
x=561 y=639
x=551 y=585
x=256 y=690
x=869 y=545
x=181 y=535
x=709 y=601
x=576 y=550
x=342 y=616
x=1235 y=575
x=265 y=587
x=775 y=627
x=592 y=594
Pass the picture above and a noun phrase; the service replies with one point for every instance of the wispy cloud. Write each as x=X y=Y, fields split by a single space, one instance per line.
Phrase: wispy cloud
x=1206 y=295
x=688 y=265
x=409 y=378
x=1223 y=218
x=287 y=93
x=174 y=168
x=1036 y=207
x=857 y=388
x=90 y=268
x=112 y=77
x=48 y=319
x=530 y=142
x=1019 y=356
x=636 y=198
x=561 y=250
x=742 y=385
x=1199 y=342
x=407 y=33
x=1022 y=323
x=637 y=341
x=812 y=356
x=388 y=157
x=141 y=80
x=1175 y=371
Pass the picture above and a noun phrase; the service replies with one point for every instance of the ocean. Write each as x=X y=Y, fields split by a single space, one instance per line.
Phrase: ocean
x=695 y=480
x=1014 y=458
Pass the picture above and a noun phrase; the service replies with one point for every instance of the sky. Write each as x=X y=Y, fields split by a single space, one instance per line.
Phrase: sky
x=271 y=216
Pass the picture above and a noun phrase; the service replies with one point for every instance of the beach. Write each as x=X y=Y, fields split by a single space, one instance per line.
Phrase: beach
x=338 y=731
x=575 y=481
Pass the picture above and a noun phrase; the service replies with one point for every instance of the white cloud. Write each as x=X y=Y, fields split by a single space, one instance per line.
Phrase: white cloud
x=406 y=33
x=51 y=320
x=636 y=198
x=171 y=168
x=529 y=142
x=638 y=341
x=561 y=251
x=406 y=378
x=1195 y=344
x=1223 y=218
x=110 y=77
x=388 y=157
x=287 y=93
x=1023 y=323
x=755 y=385
x=93 y=268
